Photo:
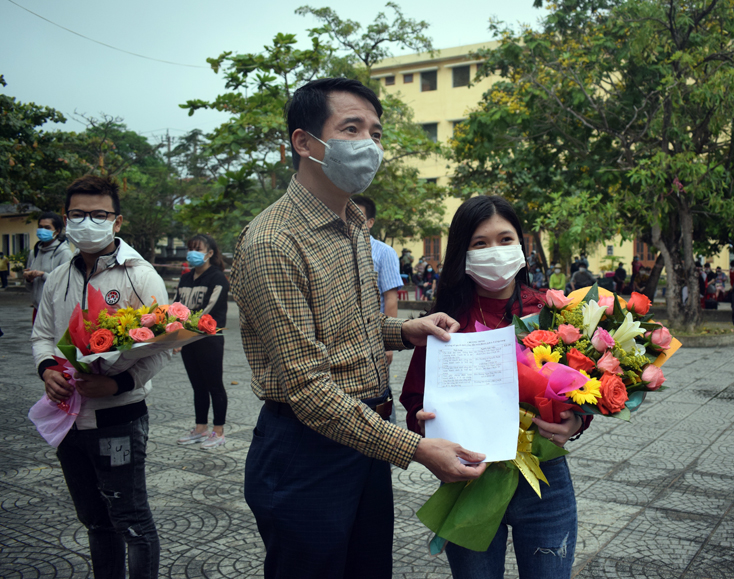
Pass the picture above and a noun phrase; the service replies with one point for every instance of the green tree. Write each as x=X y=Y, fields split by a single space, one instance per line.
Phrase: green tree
x=35 y=165
x=624 y=101
x=256 y=143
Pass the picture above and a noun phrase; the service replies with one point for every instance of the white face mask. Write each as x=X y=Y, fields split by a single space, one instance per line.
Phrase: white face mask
x=91 y=237
x=350 y=164
x=494 y=268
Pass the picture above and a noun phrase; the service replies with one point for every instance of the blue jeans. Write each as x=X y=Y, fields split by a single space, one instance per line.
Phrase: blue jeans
x=324 y=510
x=543 y=532
x=104 y=469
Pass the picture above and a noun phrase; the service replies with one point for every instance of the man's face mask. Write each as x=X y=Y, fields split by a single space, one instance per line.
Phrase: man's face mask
x=350 y=164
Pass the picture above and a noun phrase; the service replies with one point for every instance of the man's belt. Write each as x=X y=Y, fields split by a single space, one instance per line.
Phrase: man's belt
x=384 y=409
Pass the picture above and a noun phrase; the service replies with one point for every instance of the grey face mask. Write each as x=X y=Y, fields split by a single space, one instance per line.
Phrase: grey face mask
x=350 y=165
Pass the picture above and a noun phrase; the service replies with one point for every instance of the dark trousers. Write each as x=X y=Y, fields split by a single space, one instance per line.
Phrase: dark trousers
x=324 y=510
x=105 y=472
x=203 y=362
x=4 y=278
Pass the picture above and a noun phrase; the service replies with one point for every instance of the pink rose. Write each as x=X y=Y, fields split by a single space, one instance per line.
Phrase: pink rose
x=660 y=339
x=147 y=320
x=654 y=376
x=141 y=334
x=601 y=340
x=557 y=299
x=608 y=302
x=608 y=363
x=173 y=326
x=568 y=333
x=179 y=311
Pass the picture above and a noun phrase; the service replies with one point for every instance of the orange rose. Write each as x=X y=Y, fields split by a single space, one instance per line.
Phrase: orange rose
x=207 y=324
x=101 y=341
x=539 y=337
x=638 y=304
x=578 y=361
x=613 y=394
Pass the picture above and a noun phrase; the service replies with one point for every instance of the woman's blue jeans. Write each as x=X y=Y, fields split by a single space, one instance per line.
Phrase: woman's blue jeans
x=104 y=469
x=543 y=532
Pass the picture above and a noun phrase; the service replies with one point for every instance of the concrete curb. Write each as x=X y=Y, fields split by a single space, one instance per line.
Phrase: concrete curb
x=708 y=341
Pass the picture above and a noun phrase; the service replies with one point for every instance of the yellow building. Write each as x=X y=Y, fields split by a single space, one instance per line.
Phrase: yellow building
x=16 y=232
x=437 y=88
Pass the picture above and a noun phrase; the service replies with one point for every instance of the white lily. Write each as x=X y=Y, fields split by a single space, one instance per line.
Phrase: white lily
x=592 y=312
x=640 y=350
x=625 y=334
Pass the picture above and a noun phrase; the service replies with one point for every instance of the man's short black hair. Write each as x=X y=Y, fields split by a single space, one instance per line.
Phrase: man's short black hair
x=308 y=109
x=94 y=185
x=368 y=204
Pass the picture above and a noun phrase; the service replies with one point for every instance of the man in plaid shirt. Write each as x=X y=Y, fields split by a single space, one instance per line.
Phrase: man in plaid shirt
x=317 y=476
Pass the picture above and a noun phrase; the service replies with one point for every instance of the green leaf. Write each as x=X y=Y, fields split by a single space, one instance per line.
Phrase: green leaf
x=618 y=315
x=545 y=318
x=521 y=330
x=623 y=414
x=592 y=294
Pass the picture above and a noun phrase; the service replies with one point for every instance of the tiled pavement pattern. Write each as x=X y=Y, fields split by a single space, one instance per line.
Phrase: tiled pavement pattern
x=655 y=496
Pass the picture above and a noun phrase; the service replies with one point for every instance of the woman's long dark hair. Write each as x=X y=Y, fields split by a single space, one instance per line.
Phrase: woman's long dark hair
x=56 y=221
x=455 y=290
x=207 y=240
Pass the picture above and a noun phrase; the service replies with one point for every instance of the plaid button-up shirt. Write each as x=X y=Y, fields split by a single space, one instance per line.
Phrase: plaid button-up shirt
x=311 y=323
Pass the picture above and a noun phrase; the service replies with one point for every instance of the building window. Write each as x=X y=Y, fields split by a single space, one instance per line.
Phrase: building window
x=432 y=250
x=408 y=78
x=432 y=181
x=20 y=242
x=610 y=250
x=529 y=243
x=431 y=130
x=461 y=75
x=389 y=80
x=428 y=81
x=6 y=244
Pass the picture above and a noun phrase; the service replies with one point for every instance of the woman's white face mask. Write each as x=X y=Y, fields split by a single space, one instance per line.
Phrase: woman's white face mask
x=494 y=268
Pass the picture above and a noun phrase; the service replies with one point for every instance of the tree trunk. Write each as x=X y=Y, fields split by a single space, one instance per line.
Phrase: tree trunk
x=152 y=242
x=652 y=282
x=676 y=247
x=540 y=251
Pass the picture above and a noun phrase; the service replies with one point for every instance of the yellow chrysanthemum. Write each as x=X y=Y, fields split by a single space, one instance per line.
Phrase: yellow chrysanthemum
x=543 y=354
x=128 y=320
x=589 y=393
x=125 y=312
x=142 y=310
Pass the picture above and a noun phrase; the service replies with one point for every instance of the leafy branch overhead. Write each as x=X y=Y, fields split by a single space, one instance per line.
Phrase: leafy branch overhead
x=626 y=103
x=255 y=139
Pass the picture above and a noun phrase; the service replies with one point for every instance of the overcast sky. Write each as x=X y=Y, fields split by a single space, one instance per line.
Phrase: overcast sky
x=50 y=66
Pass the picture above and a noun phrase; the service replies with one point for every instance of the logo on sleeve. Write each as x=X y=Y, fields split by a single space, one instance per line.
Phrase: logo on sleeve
x=112 y=297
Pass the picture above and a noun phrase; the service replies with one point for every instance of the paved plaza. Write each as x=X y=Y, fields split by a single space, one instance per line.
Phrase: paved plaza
x=655 y=496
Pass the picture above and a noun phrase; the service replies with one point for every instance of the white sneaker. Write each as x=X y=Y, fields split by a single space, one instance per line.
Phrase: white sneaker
x=213 y=441
x=193 y=437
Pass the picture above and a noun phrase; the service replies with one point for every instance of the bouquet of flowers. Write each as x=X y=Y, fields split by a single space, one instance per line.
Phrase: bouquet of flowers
x=590 y=352
x=597 y=351
x=100 y=341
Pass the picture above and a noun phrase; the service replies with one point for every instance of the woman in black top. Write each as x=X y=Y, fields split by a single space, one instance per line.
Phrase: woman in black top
x=205 y=287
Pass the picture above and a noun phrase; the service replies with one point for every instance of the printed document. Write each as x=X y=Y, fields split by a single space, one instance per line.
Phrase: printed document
x=472 y=387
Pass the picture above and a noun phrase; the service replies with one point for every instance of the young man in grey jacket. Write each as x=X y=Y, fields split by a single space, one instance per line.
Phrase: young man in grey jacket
x=103 y=455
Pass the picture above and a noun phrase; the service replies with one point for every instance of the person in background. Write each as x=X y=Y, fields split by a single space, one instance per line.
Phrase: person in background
x=720 y=284
x=575 y=265
x=710 y=275
x=485 y=281
x=640 y=280
x=583 y=261
x=582 y=278
x=557 y=279
x=389 y=280
x=103 y=455
x=205 y=288
x=4 y=269
x=51 y=251
x=636 y=265
x=386 y=264
x=532 y=262
x=429 y=283
x=549 y=272
x=538 y=278
x=620 y=277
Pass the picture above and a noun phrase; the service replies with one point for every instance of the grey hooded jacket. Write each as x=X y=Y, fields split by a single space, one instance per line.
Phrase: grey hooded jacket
x=46 y=259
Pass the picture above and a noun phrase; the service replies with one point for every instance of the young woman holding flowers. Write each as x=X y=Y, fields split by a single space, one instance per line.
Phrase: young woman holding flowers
x=485 y=280
x=205 y=287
